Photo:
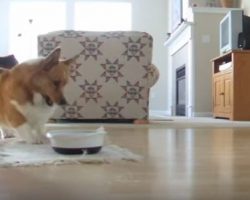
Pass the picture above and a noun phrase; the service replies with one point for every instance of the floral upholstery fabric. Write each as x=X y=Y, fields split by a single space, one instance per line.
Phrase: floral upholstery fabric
x=112 y=77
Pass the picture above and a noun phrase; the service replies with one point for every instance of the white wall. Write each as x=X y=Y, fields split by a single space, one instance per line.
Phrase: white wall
x=4 y=27
x=246 y=5
x=152 y=16
x=149 y=16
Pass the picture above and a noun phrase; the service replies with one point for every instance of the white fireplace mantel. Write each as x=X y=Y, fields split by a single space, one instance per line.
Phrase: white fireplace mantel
x=177 y=33
x=182 y=37
x=194 y=42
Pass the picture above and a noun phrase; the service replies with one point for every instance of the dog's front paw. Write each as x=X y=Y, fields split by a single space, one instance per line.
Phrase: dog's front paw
x=38 y=140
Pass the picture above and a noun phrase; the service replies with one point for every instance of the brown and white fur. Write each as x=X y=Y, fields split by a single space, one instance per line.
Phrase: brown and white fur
x=29 y=93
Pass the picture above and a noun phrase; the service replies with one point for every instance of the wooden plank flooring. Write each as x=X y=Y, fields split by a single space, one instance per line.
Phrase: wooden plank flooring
x=179 y=163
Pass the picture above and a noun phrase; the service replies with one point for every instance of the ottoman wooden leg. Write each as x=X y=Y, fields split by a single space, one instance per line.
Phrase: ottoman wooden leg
x=141 y=121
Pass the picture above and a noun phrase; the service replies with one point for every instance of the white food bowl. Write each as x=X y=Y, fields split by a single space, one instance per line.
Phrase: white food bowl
x=77 y=141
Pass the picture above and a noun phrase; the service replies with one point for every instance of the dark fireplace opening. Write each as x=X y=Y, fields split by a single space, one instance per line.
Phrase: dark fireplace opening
x=180 y=91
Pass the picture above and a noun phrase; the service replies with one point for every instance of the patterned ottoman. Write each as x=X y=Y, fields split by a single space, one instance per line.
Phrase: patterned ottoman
x=112 y=77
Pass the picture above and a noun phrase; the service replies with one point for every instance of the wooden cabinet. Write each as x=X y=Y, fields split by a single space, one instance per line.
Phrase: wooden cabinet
x=222 y=85
x=231 y=85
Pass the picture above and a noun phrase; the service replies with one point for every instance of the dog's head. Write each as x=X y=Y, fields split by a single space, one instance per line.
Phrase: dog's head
x=51 y=76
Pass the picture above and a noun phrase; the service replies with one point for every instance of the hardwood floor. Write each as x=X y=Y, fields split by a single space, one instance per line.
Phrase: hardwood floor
x=179 y=163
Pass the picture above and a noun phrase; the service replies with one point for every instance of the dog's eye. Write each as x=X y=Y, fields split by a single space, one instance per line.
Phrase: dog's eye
x=57 y=83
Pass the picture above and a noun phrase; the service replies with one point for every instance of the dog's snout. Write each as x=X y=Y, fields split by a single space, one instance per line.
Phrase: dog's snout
x=63 y=102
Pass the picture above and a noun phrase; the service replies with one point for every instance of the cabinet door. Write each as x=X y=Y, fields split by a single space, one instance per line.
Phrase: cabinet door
x=223 y=98
x=218 y=100
x=228 y=95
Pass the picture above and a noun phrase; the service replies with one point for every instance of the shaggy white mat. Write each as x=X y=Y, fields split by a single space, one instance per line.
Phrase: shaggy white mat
x=13 y=153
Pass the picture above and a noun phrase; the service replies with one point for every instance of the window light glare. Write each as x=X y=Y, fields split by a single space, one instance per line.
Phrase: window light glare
x=103 y=16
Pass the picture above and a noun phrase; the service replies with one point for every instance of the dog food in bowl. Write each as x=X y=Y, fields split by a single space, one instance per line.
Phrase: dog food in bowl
x=77 y=141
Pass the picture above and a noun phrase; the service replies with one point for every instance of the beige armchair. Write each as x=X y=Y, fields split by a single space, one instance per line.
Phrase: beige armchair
x=111 y=79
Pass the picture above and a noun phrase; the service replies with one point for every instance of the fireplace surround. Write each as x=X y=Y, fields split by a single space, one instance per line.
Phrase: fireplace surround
x=194 y=43
x=180 y=109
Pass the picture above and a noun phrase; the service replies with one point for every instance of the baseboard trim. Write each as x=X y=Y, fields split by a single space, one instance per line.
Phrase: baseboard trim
x=203 y=114
x=159 y=114
x=164 y=114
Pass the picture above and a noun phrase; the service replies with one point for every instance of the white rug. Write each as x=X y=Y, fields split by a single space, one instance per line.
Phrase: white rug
x=14 y=154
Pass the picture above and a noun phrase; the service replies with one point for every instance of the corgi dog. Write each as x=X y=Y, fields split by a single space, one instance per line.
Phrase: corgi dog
x=30 y=92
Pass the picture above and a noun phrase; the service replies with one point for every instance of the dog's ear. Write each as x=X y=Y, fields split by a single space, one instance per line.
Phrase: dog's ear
x=52 y=59
x=71 y=60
